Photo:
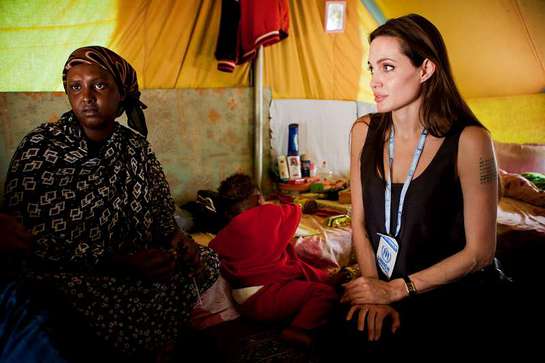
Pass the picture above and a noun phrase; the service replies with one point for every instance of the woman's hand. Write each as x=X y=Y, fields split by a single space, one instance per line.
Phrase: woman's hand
x=187 y=250
x=368 y=290
x=375 y=316
x=152 y=264
x=158 y=265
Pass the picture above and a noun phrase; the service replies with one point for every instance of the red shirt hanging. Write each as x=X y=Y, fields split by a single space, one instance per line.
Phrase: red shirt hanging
x=247 y=24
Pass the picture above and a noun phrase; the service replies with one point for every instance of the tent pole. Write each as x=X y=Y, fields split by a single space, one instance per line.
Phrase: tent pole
x=258 y=117
x=372 y=7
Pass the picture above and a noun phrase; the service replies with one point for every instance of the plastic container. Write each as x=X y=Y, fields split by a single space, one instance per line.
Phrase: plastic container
x=293 y=140
x=305 y=166
x=283 y=171
x=294 y=167
x=324 y=173
x=312 y=169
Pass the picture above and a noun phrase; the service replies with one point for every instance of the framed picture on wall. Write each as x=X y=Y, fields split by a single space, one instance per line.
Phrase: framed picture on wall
x=335 y=16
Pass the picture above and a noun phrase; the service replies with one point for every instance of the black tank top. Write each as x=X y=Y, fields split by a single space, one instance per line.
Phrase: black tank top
x=432 y=223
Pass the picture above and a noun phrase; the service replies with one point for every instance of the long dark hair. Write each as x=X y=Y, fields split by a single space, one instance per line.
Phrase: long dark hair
x=443 y=108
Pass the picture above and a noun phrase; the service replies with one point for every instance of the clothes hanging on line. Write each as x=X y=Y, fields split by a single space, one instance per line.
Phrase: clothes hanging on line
x=247 y=24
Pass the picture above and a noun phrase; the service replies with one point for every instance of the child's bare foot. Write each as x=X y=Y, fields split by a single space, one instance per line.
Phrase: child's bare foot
x=297 y=336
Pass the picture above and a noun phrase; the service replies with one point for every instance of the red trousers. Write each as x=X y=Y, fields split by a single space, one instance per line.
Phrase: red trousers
x=309 y=303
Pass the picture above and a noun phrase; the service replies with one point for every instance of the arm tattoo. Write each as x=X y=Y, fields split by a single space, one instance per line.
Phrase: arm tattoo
x=487 y=168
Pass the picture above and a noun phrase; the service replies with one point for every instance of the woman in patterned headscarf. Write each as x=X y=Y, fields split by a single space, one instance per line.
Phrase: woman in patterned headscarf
x=97 y=202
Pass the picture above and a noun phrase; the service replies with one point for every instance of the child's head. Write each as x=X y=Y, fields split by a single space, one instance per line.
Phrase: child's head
x=238 y=193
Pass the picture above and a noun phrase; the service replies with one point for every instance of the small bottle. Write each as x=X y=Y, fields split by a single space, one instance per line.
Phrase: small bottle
x=283 y=171
x=294 y=166
x=293 y=139
x=305 y=166
x=324 y=173
x=312 y=169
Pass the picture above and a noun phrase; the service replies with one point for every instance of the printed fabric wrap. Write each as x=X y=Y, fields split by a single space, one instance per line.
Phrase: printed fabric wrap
x=82 y=210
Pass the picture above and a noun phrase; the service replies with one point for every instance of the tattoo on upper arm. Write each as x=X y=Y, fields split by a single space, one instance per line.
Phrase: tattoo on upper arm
x=488 y=171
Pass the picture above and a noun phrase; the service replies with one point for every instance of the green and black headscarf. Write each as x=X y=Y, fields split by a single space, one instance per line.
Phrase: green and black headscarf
x=123 y=74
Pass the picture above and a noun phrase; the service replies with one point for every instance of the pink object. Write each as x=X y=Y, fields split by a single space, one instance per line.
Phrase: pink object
x=329 y=250
x=517 y=187
x=520 y=158
x=216 y=307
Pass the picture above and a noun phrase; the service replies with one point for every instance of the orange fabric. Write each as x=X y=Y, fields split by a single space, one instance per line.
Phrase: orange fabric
x=171 y=45
x=496 y=48
x=314 y=64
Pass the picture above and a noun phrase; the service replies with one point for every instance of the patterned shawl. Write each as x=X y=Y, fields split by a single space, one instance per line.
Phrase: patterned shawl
x=124 y=76
x=83 y=209
x=74 y=203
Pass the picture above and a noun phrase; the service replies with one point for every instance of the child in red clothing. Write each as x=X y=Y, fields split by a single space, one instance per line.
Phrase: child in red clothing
x=270 y=282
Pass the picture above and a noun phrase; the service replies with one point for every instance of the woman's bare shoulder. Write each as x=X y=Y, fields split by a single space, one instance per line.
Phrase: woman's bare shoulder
x=360 y=126
x=475 y=138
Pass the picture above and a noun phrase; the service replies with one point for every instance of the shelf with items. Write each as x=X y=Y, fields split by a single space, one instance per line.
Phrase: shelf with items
x=326 y=189
x=329 y=199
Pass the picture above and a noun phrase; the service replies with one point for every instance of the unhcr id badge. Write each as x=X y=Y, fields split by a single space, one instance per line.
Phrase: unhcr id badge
x=387 y=254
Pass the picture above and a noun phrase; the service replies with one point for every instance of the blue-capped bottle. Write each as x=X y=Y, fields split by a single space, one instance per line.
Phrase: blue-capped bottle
x=294 y=163
x=293 y=140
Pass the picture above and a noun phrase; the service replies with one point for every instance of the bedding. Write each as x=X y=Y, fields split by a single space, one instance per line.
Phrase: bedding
x=215 y=306
x=322 y=246
x=518 y=215
x=521 y=229
x=521 y=211
x=520 y=158
x=518 y=187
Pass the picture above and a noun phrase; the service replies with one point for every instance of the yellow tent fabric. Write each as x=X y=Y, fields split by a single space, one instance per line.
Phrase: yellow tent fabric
x=518 y=119
x=37 y=36
x=496 y=48
x=171 y=44
x=314 y=64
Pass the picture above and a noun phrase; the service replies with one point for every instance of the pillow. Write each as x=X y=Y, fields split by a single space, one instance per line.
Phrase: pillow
x=518 y=187
x=520 y=158
x=517 y=215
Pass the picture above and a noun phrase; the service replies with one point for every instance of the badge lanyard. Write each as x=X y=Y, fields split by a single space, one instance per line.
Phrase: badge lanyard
x=388 y=191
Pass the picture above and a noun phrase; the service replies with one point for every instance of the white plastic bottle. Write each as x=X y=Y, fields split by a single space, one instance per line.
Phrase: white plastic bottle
x=324 y=173
x=283 y=171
